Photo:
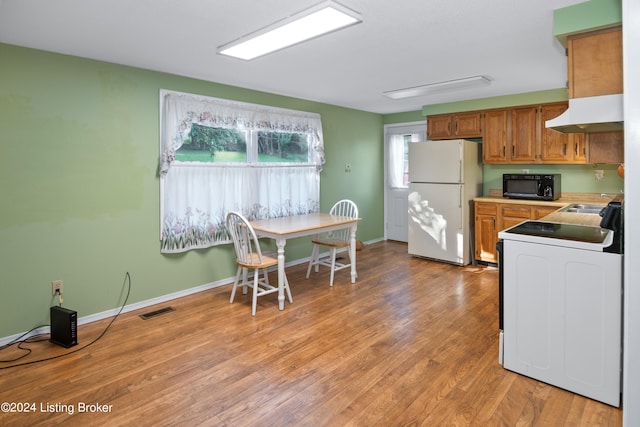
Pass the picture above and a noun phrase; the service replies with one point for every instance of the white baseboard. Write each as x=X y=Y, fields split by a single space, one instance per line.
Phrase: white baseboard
x=147 y=303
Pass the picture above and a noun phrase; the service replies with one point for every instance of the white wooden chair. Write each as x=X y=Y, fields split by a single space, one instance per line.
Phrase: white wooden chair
x=249 y=256
x=334 y=240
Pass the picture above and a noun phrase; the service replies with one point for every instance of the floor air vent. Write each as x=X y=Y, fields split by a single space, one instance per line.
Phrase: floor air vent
x=156 y=313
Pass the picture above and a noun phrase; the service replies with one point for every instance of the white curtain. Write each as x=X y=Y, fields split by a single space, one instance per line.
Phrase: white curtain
x=195 y=197
x=398 y=164
x=396 y=161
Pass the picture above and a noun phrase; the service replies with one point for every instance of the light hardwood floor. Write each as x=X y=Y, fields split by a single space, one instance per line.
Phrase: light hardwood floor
x=413 y=342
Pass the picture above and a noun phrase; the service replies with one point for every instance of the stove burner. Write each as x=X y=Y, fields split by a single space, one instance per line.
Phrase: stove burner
x=580 y=233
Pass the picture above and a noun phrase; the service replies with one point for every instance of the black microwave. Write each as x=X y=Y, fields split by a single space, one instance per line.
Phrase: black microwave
x=531 y=186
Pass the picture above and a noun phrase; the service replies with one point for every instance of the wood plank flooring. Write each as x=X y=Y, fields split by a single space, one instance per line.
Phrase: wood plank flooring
x=413 y=342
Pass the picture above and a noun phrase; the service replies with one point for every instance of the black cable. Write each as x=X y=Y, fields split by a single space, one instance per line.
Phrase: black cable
x=19 y=341
x=127 y=278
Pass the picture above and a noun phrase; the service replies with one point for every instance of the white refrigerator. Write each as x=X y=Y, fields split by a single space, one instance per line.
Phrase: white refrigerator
x=444 y=177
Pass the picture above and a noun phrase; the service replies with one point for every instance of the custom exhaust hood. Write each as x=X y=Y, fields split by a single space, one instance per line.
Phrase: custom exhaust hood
x=590 y=114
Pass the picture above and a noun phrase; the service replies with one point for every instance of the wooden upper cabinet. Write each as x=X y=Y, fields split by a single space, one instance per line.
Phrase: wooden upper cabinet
x=518 y=135
x=495 y=136
x=454 y=126
x=606 y=147
x=524 y=134
x=594 y=63
x=467 y=125
x=557 y=147
x=439 y=127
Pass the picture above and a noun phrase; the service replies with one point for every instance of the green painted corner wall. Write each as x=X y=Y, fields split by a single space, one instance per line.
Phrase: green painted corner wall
x=589 y=15
x=80 y=187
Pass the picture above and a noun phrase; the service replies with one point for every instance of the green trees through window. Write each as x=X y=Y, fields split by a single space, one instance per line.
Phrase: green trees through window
x=225 y=145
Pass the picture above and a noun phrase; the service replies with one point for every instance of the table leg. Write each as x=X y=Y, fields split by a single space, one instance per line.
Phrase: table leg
x=281 y=242
x=352 y=253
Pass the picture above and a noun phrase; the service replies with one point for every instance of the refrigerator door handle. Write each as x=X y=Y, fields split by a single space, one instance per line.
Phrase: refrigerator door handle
x=460 y=206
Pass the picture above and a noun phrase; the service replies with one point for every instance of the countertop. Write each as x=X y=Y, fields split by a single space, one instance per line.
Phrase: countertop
x=561 y=217
x=573 y=218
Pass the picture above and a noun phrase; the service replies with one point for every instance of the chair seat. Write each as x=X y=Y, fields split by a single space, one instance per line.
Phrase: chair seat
x=335 y=243
x=254 y=261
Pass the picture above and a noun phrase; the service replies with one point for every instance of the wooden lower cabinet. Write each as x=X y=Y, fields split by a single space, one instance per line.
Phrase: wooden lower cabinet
x=492 y=217
x=511 y=215
x=486 y=231
x=538 y=212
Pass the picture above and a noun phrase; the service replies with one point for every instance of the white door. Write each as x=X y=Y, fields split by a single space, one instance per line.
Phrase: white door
x=396 y=191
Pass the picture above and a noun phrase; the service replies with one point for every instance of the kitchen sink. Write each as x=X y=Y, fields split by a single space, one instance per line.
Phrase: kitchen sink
x=583 y=208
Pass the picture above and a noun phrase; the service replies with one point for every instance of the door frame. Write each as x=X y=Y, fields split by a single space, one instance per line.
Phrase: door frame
x=395 y=129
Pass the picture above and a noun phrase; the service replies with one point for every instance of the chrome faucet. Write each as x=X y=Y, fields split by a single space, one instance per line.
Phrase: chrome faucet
x=607 y=195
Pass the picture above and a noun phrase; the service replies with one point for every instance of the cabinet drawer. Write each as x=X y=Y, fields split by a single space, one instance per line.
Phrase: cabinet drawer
x=516 y=211
x=542 y=211
x=486 y=209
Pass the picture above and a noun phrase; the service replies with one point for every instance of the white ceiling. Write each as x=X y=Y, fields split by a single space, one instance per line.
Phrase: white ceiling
x=399 y=44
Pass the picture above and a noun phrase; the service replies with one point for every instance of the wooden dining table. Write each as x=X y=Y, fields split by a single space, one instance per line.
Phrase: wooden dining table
x=289 y=227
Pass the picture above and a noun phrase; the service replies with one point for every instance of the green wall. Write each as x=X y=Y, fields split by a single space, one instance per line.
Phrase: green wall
x=575 y=178
x=80 y=186
x=589 y=15
x=515 y=100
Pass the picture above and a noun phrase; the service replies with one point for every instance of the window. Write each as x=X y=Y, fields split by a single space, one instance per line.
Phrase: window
x=218 y=156
x=213 y=145
x=219 y=145
x=399 y=159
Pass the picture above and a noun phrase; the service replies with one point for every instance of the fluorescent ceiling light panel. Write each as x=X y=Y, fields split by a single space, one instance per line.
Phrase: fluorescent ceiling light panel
x=316 y=21
x=449 y=85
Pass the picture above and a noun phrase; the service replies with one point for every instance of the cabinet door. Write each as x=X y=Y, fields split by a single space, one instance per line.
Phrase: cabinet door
x=524 y=134
x=594 y=63
x=467 y=125
x=557 y=147
x=606 y=147
x=439 y=127
x=579 y=143
x=486 y=233
x=495 y=136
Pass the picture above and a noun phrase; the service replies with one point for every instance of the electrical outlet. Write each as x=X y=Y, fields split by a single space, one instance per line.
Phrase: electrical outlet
x=56 y=287
x=347 y=167
x=525 y=170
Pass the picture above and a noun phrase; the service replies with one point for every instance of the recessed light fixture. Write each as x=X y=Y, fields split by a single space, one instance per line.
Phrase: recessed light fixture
x=313 y=22
x=465 y=83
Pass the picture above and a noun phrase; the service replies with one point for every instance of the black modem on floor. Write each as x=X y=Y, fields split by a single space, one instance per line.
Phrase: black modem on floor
x=64 y=326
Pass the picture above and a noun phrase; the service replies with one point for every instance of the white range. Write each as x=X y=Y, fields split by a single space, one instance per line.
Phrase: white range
x=562 y=307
